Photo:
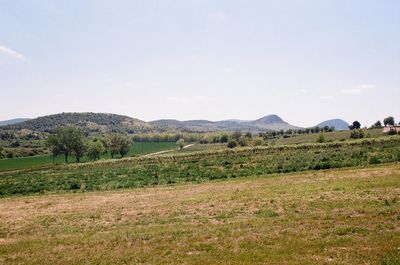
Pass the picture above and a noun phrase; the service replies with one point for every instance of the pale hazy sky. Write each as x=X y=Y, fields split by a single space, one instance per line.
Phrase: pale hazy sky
x=306 y=61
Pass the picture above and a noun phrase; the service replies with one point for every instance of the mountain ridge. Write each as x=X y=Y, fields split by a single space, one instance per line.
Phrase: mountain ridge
x=109 y=122
x=268 y=122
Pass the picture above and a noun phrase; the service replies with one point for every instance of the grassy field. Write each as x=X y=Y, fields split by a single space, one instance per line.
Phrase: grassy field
x=329 y=136
x=198 y=166
x=37 y=161
x=349 y=216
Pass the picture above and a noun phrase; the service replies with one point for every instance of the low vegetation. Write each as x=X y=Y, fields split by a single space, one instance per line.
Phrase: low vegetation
x=200 y=166
x=347 y=216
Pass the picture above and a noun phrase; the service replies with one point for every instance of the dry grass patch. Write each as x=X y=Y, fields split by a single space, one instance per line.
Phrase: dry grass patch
x=333 y=217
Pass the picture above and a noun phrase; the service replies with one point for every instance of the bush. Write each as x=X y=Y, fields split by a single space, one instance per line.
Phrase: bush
x=321 y=138
x=357 y=134
x=258 y=141
x=15 y=144
x=243 y=141
x=224 y=138
x=180 y=143
x=232 y=144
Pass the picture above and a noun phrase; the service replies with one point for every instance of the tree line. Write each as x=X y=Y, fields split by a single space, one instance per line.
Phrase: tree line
x=71 y=140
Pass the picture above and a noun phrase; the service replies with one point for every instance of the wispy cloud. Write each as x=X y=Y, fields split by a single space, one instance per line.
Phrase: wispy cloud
x=358 y=90
x=11 y=53
x=326 y=97
x=303 y=90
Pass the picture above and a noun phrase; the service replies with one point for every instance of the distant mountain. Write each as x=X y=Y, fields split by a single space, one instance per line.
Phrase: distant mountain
x=13 y=121
x=339 y=124
x=88 y=121
x=270 y=122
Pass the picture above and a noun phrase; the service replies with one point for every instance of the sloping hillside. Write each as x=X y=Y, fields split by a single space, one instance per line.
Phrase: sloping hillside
x=12 y=121
x=88 y=121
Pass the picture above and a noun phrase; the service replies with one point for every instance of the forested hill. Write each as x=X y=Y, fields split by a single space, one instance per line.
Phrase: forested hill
x=104 y=122
x=88 y=121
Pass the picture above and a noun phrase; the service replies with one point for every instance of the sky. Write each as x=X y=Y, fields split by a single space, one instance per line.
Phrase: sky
x=305 y=60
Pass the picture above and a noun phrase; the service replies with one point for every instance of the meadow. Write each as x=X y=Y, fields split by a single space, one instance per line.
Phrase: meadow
x=46 y=160
x=341 y=216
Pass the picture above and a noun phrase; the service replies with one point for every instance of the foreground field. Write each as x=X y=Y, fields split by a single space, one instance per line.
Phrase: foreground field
x=328 y=217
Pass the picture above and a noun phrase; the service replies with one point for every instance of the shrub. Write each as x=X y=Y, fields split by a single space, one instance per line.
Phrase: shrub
x=180 y=143
x=321 y=138
x=258 y=141
x=224 y=138
x=232 y=144
x=243 y=141
x=357 y=134
x=15 y=144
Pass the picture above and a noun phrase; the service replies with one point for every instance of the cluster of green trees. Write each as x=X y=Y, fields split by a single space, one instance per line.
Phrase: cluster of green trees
x=288 y=133
x=204 y=138
x=386 y=121
x=71 y=140
x=378 y=124
x=246 y=139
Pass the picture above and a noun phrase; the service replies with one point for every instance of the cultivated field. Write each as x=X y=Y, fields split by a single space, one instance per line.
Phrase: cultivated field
x=42 y=160
x=198 y=166
x=347 y=216
x=329 y=136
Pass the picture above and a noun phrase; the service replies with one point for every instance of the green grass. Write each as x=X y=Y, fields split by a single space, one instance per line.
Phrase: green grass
x=329 y=136
x=346 y=216
x=199 y=166
x=38 y=161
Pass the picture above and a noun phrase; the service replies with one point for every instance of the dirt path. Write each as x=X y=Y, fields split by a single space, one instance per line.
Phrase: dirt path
x=166 y=151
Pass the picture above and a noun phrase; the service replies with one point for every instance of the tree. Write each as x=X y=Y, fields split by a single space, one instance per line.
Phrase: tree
x=355 y=125
x=119 y=144
x=67 y=140
x=126 y=145
x=377 y=124
x=55 y=145
x=78 y=143
x=94 y=149
x=180 y=143
x=232 y=144
x=388 y=121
